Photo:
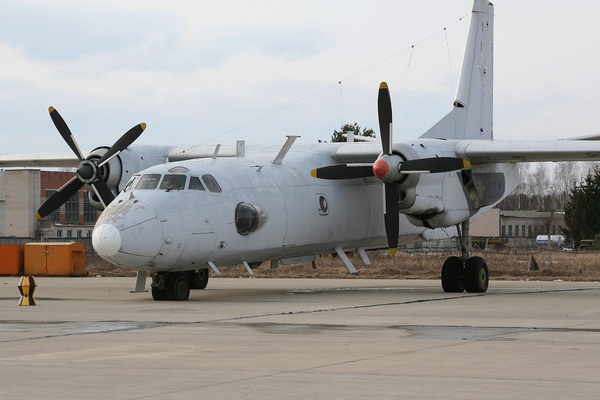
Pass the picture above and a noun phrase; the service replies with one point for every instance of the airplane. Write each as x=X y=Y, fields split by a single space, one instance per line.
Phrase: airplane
x=177 y=212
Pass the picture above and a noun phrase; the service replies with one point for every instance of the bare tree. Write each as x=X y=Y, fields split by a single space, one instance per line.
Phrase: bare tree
x=566 y=174
x=521 y=189
x=539 y=184
x=587 y=168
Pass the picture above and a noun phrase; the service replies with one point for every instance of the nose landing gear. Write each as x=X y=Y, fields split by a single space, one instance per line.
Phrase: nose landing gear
x=176 y=285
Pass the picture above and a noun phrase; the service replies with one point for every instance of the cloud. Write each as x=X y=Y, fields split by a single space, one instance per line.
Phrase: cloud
x=195 y=70
x=53 y=31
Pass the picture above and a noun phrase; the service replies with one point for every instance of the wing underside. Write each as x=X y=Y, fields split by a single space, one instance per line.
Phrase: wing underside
x=488 y=151
x=64 y=159
x=516 y=151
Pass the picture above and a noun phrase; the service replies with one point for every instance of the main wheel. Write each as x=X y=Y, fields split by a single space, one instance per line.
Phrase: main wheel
x=476 y=276
x=198 y=279
x=452 y=275
x=158 y=287
x=180 y=289
x=158 y=294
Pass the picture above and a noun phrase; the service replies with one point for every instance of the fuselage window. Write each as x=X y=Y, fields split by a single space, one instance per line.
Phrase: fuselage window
x=148 y=181
x=211 y=183
x=195 y=184
x=173 y=182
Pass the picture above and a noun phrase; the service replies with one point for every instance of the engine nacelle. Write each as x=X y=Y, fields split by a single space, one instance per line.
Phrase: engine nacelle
x=118 y=170
x=427 y=206
x=421 y=195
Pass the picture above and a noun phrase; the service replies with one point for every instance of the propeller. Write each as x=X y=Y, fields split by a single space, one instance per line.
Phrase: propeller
x=88 y=170
x=389 y=168
x=383 y=168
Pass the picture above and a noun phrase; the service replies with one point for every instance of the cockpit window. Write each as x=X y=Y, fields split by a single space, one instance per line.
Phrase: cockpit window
x=211 y=183
x=173 y=182
x=195 y=184
x=148 y=181
x=132 y=182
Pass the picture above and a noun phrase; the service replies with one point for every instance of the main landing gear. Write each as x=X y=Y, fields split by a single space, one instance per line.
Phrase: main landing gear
x=176 y=285
x=466 y=272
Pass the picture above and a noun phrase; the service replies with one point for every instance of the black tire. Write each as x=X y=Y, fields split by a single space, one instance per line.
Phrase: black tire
x=452 y=275
x=158 y=294
x=476 y=275
x=180 y=288
x=198 y=279
x=159 y=291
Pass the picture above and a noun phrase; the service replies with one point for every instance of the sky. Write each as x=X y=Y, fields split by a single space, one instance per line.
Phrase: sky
x=208 y=72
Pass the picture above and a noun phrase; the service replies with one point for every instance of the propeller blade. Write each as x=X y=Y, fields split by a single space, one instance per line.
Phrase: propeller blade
x=103 y=192
x=65 y=132
x=384 y=109
x=392 y=223
x=59 y=198
x=124 y=141
x=342 y=172
x=433 y=165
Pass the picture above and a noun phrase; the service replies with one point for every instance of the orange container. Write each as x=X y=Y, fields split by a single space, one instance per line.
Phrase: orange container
x=54 y=259
x=11 y=259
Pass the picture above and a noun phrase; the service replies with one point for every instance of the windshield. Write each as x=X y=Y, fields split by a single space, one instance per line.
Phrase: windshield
x=132 y=182
x=148 y=181
x=173 y=181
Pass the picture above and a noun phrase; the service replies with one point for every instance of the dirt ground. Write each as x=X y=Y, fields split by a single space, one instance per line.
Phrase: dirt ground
x=502 y=264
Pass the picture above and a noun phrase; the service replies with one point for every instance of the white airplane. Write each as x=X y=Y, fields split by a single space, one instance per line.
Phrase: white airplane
x=176 y=212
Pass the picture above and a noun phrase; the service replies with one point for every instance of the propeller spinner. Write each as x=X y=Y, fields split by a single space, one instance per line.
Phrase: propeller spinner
x=389 y=168
x=88 y=171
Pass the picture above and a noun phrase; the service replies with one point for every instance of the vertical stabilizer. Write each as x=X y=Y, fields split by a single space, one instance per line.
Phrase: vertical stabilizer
x=472 y=114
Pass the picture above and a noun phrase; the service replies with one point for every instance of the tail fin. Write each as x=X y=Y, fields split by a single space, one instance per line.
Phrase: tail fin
x=472 y=115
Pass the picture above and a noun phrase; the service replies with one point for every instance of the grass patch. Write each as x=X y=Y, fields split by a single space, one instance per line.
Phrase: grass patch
x=502 y=264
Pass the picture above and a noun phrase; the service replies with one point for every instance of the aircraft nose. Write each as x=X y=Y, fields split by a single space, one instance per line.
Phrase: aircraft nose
x=128 y=234
x=106 y=240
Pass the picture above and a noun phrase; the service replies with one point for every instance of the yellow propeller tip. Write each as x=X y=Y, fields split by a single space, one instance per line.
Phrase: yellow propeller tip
x=38 y=216
x=313 y=173
x=143 y=125
x=51 y=109
x=466 y=164
x=383 y=85
x=393 y=251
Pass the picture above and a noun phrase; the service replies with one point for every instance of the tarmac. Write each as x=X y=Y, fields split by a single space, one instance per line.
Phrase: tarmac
x=89 y=338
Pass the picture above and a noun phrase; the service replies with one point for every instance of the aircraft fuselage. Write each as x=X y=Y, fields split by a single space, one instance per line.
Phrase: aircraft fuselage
x=259 y=211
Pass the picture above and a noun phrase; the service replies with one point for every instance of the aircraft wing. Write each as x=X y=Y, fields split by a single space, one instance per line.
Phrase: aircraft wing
x=65 y=159
x=492 y=151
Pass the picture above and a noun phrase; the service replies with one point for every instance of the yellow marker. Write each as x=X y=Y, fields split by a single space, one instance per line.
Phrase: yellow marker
x=143 y=125
x=27 y=288
x=466 y=164
x=38 y=216
x=383 y=85
x=313 y=173
x=51 y=109
x=393 y=251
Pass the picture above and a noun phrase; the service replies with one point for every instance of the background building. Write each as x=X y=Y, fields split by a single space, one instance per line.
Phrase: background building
x=522 y=227
x=21 y=194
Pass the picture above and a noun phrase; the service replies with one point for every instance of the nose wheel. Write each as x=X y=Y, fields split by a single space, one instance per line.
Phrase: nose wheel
x=176 y=285
x=170 y=286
